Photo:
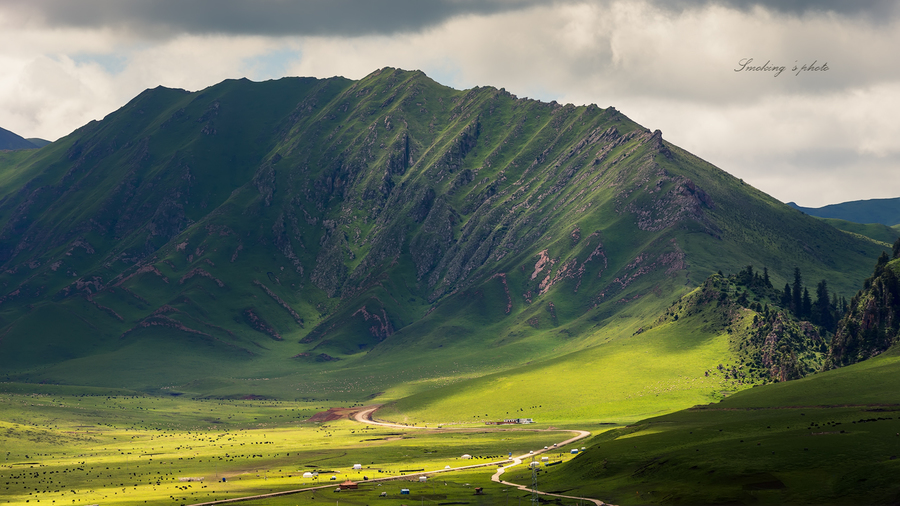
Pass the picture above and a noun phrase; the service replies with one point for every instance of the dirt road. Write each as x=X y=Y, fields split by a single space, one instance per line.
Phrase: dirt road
x=365 y=416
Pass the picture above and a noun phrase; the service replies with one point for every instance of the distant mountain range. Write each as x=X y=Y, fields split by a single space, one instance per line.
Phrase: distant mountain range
x=884 y=211
x=10 y=141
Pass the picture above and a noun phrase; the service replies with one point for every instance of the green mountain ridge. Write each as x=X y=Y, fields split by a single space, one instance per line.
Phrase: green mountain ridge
x=11 y=141
x=883 y=211
x=306 y=237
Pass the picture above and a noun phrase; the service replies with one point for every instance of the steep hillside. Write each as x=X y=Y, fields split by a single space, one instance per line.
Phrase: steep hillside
x=307 y=237
x=872 y=324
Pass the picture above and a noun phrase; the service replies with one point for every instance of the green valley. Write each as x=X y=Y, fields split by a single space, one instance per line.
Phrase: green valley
x=198 y=274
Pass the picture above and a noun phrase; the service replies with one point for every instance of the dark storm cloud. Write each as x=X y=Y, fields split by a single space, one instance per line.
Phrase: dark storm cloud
x=870 y=9
x=257 y=17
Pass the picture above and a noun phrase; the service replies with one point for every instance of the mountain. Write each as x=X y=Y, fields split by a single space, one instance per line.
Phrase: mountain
x=307 y=237
x=884 y=211
x=11 y=141
x=38 y=142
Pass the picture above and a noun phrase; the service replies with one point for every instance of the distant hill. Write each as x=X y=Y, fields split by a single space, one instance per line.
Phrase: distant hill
x=874 y=231
x=37 y=141
x=11 y=141
x=884 y=211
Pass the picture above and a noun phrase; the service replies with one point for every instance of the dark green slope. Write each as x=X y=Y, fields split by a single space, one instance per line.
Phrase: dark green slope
x=391 y=228
x=11 y=141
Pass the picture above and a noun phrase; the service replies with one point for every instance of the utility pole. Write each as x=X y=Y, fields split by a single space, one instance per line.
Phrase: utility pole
x=534 y=494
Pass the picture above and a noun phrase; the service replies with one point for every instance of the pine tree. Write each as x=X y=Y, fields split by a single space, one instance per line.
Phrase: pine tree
x=766 y=280
x=786 y=297
x=822 y=309
x=897 y=248
x=797 y=292
x=805 y=304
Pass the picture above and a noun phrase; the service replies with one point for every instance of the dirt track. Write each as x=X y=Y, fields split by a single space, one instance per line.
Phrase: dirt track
x=364 y=415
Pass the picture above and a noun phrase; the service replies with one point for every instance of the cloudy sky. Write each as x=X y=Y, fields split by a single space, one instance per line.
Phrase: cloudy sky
x=707 y=73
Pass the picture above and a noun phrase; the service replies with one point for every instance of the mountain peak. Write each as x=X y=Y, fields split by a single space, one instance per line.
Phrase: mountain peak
x=11 y=141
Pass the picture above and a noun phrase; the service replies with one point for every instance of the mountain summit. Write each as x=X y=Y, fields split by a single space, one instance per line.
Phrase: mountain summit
x=302 y=226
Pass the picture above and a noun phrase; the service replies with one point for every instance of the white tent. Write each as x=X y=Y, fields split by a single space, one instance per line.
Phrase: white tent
x=357 y=466
x=466 y=456
x=308 y=474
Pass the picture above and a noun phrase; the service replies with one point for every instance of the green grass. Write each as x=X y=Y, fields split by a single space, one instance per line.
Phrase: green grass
x=830 y=438
x=883 y=234
x=117 y=447
x=624 y=380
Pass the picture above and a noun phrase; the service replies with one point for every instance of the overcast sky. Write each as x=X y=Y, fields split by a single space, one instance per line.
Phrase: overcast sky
x=704 y=72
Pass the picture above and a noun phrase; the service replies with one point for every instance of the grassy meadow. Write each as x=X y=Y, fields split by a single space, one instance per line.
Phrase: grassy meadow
x=669 y=367
x=119 y=447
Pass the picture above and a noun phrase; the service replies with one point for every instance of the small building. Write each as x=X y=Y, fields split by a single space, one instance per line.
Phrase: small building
x=422 y=479
x=545 y=459
x=574 y=451
x=534 y=464
x=357 y=467
x=479 y=491
x=348 y=485
x=404 y=491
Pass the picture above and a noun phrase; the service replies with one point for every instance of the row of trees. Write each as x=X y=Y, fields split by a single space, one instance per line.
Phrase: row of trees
x=825 y=311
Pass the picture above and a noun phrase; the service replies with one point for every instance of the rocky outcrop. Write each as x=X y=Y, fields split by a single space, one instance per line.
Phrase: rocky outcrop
x=380 y=325
x=258 y=324
x=280 y=302
x=199 y=271
x=872 y=324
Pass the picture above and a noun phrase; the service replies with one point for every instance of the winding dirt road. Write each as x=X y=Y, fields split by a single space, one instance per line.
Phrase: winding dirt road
x=365 y=416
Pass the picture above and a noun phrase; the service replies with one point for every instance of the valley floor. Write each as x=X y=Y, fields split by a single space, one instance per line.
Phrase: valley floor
x=112 y=448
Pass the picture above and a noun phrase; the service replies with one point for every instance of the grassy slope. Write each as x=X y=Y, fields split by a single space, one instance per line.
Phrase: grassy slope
x=884 y=234
x=830 y=438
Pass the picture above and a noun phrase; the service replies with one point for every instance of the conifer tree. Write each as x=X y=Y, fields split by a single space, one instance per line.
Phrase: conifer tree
x=897 y=248
x=786 y=297
x=822 y=309
x=797 y=292
x=805 y=304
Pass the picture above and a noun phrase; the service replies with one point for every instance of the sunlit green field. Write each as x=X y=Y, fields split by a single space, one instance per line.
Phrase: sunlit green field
x=113 y=448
